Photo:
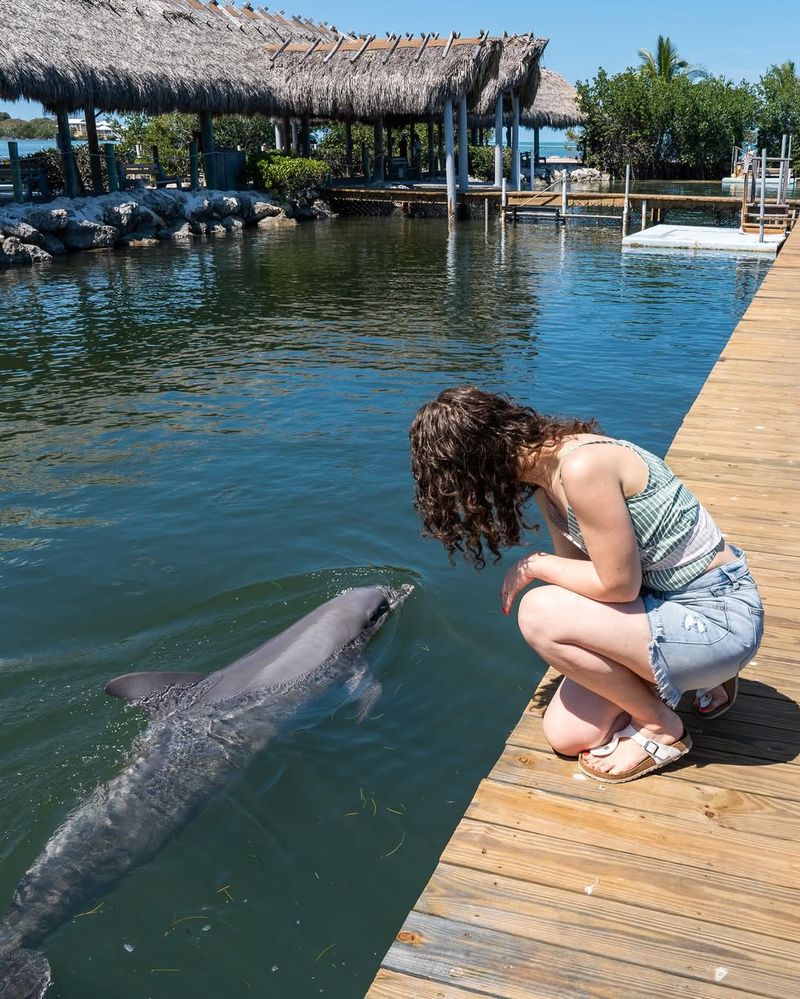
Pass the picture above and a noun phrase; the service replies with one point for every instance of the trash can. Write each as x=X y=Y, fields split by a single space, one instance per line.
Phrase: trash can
x=229 y=169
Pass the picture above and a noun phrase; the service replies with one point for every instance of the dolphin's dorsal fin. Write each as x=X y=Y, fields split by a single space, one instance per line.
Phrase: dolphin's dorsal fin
x=138 y=686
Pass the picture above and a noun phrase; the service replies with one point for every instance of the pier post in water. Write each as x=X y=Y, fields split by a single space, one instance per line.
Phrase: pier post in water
x=498 y=142
x=431 y=149
x=379 y=158
x=450 y=161
x=111 y=167
x=194 y=166
x=207 y=136
x=16 y=171
x=515 y=171
x=463 y=146
x=67 y=155
x=95 y=165
x=626 y=205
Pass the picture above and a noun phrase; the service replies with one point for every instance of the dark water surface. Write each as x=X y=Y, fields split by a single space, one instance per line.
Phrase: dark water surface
x=199 y=444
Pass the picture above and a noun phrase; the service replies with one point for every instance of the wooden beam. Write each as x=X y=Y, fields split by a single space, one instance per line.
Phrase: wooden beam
x=450 y=161
x=67 y=155
x=95 y=163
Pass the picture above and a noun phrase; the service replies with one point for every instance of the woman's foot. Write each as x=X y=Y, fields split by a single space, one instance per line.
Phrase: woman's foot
x=628 y=754
x=715 y=701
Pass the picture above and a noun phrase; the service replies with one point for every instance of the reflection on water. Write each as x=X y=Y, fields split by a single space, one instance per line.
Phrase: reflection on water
x=201 y=443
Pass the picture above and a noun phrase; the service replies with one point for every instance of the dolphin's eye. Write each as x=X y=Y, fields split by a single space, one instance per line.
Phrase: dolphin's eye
x=380 y=611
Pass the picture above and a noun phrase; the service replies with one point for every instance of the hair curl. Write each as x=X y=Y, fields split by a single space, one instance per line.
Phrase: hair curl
x=465 y=449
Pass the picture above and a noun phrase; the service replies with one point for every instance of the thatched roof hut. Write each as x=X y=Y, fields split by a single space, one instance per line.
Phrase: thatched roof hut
x=193 y=56
x=518 y=71
x=396 y=77
x=135 y=55
x=555 y=104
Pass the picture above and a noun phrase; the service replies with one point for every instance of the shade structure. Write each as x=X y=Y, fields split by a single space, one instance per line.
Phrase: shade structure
x=518 y=71
x=555 y=105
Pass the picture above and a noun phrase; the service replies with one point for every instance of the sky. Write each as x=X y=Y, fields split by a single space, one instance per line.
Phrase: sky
x=722 y=37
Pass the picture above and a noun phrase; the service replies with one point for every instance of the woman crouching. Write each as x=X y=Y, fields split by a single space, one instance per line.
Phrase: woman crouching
x=645 y=599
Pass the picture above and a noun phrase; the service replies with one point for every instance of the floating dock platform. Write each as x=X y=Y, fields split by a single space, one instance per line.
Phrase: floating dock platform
x=699 y=237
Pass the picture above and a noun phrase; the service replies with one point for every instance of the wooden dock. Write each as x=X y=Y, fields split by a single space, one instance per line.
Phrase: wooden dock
x=414 y=194
x=685 y=883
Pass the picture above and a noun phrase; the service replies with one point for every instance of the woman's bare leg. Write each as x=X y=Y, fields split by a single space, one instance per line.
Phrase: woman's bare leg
x=603 y=648
x=576 y=719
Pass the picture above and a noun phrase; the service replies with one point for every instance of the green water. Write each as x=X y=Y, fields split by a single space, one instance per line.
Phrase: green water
x=201 y=443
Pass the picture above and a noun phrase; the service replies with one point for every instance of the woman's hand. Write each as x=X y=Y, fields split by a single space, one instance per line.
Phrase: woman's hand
x=520 y=575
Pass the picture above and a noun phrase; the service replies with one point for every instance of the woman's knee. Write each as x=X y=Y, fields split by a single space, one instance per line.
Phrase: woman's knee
x=541 y=614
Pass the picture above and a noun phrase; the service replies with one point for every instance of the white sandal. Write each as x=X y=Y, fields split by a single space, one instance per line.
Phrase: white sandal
x=659 y=755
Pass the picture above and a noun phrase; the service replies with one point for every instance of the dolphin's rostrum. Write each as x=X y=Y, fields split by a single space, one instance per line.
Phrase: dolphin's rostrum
x=204 y=728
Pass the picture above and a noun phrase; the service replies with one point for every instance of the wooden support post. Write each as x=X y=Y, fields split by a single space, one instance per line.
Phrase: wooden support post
x=287 y=134
x=67 y=156
x=498 y=142
x=450 y=161
x=390 y=141
x=194 y=165
x=626 y=206
x=16 y=170
x=763 y=195
x=440 y=147
x=348 y=147
x=111 y=167
x=431 y=150
x=278 y=137
x=379 y=155
x=295 y=136
x=515 y=171
x=463 y=146
x=365 y=163
x=474 y=139
x=95 y=164
x=564 y=193
x=535 y=155
x=207 y=139
x=503 y=200
x=644 y=214
x=306 y=135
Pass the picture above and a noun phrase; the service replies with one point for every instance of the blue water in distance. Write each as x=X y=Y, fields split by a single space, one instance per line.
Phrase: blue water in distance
x=201 y=443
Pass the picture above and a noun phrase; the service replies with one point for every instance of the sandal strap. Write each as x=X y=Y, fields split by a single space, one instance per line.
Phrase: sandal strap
x=608 y=748
x=656 y=750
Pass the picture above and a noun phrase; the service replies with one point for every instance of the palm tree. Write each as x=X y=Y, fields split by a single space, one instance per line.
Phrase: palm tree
x=666 y=64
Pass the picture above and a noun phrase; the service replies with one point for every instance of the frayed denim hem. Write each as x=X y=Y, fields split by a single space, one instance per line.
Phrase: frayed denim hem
x=667 y=690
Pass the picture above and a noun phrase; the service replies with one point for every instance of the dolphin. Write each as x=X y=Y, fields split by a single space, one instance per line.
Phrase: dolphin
x=203 y=730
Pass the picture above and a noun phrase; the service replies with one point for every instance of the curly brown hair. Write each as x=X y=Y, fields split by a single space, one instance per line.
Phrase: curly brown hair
x=465 y=448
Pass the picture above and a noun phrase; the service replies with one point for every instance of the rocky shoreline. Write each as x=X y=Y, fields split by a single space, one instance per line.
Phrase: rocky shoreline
x=36 y=233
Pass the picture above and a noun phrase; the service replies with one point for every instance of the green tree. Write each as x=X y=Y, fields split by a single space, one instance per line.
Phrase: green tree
x=779 y=91
x=663 y=127
x=4 y=115
x=667 y=63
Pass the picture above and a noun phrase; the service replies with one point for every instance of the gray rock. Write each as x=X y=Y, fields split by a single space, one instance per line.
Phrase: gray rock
x=24 y=232
x=36 y=254
x=232 y=224
x=87 y=235
x=322 y=210
x=273 y=220
x=264 y=210
x=198 y=228
x=179 y=230
x=52 y=244
x=215 y=228
x=122 y=215
x=225 y=205
x=13 y=252
x=48 y=219
x=163 y=203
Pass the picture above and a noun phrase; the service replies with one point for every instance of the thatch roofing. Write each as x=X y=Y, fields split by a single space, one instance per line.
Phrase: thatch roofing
x=132 y=55
x=518 y=70
x=555 y=104
x=189 y=55
x=395 y=77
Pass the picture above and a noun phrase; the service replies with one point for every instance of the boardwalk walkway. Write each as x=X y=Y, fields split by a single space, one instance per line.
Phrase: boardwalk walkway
x=686 y=883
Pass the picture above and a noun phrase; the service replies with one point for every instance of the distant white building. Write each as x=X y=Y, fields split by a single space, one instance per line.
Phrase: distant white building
x=105 y=132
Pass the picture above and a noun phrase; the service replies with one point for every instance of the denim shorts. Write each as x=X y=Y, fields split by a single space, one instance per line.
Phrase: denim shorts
x=706 y=632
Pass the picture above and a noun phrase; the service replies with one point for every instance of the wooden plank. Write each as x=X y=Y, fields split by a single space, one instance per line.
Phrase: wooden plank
x=670 y=889
x=599 y=926
x=462 y=952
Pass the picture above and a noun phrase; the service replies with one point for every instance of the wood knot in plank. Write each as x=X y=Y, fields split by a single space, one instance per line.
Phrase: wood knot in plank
x=409 y=937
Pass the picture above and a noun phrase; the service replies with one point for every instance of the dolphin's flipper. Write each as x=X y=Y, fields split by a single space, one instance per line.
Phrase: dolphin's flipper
x=24 y=974
x=138 y=686
x=368 y=698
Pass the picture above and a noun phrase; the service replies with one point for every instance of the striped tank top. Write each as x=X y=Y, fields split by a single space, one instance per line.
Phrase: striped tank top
x=676 y=537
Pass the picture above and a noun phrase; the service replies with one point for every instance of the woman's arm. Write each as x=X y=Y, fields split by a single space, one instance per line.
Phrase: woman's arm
x=561 y=545
x=613 y=573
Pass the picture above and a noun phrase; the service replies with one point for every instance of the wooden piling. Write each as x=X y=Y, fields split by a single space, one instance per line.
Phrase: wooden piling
x=16 y=171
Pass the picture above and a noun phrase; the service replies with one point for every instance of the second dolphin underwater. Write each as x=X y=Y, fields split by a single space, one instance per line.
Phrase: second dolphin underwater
x=204 y=729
